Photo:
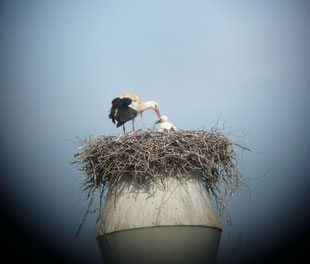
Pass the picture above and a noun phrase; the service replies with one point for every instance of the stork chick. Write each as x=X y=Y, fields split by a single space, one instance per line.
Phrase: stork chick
x=164 y=124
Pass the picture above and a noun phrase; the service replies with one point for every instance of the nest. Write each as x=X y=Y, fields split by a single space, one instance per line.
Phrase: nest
x=151 y=155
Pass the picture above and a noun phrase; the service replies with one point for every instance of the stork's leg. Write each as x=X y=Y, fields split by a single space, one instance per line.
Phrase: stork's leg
x=133 y=125
x=124 y=129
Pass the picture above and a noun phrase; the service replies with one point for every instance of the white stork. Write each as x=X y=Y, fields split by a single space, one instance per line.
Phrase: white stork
x=127 y=106
x=164 y=124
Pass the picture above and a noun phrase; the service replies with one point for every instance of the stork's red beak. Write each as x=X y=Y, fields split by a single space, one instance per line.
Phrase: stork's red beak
x=157 y=112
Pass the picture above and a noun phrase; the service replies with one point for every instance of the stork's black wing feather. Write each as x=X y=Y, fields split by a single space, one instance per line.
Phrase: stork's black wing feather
x=121 y=112
x=125 y=101
x=115 y=104
x=124 y=114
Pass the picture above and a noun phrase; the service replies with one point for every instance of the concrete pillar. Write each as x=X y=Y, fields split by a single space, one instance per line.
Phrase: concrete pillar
x=168 y=221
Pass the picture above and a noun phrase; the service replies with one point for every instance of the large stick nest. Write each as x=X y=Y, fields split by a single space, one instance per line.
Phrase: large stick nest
x=151 y=155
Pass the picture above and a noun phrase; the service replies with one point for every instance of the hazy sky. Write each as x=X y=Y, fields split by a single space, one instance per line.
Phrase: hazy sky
x=247 y=62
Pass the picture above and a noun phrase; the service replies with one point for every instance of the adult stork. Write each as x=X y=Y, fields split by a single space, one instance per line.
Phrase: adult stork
x=127 y=106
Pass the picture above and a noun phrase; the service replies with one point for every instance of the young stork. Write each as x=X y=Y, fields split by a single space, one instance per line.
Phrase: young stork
x=127 y=106
x=164 y=124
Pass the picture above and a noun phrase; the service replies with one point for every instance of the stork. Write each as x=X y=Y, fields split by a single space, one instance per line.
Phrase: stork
x=164 y=124
x=127 y=106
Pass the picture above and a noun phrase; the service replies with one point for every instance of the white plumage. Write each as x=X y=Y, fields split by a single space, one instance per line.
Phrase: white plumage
x=164 y=124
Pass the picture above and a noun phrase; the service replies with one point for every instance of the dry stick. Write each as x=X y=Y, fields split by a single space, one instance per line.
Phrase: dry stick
x=87 y=211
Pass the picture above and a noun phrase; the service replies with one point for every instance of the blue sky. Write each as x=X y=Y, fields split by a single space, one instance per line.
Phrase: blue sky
x=247 y=62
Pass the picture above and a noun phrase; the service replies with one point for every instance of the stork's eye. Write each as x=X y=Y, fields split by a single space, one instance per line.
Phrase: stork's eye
x=156 y=106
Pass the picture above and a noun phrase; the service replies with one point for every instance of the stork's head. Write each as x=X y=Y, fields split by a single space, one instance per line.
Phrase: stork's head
x=154 y=106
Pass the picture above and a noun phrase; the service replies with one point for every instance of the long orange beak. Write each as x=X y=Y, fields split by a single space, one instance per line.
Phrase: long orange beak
x=157 y=112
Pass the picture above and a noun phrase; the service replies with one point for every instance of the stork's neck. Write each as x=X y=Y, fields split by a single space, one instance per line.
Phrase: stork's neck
x=145 y=106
